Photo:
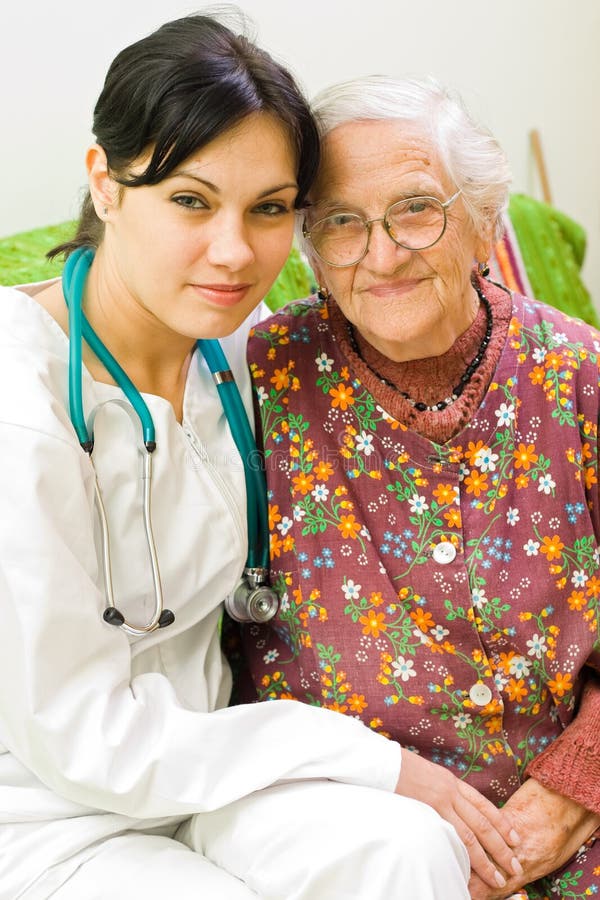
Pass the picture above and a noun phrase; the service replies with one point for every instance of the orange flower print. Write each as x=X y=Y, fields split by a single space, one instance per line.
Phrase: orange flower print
x=552 y=547
x=275 y=543
x=445 y=494
x=505 y=661
x=576 y=600
x=521 y=481
x=494 y=724
x=561 y=684
x=357 y=703
x=342 y=396
x=590 y=477
x=323 y=470
x=349 y=526
x=537 y=375
x=516 y=690
x=280 y=379
x=525 y=456
x=303 y=483
x=453 y=518
x=423 y=620
x=274 y=516
x=476 y=482
x=472 y=451
x=592 y=587
x=373 y=623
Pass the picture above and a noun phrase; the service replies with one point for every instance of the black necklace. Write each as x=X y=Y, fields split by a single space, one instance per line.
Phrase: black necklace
x=464 y=378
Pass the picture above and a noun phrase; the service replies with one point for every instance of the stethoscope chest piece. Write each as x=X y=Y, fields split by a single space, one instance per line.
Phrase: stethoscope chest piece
x=253 y=600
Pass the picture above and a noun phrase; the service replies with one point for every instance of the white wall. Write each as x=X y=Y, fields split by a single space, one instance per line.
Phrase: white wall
x=520 y=64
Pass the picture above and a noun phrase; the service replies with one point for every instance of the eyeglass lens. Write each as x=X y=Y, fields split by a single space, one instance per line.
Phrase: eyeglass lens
x=415 y=223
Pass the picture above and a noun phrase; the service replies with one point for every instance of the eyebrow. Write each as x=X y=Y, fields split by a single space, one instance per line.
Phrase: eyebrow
x=213 y=187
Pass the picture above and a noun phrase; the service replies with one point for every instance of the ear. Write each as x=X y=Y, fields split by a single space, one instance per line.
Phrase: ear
x=317 y=268
x=484 y=243
x=103 y=188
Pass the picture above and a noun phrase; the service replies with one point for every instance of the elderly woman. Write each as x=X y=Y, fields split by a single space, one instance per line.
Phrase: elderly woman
x=431 y=451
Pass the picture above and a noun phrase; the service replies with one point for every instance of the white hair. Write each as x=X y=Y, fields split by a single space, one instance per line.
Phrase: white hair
x=470 y=154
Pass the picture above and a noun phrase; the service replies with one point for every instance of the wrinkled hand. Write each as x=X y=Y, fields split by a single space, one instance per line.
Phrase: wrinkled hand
x=551 y=827
x=484 y=830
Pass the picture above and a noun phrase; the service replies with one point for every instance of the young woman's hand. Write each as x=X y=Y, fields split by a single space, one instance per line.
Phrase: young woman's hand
x=552 y=828
x=486 y=831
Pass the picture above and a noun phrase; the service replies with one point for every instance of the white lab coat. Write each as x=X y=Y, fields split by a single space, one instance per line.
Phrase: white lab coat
x=101 y=732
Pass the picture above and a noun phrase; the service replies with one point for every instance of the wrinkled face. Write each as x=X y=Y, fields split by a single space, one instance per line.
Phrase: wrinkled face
x=197 y=252
x=409 y=304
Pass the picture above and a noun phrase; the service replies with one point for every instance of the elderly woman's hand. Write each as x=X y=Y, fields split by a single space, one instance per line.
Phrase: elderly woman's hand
x=552 y=828
x=486 y=831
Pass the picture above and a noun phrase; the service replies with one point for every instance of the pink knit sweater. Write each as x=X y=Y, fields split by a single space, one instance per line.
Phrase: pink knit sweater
x=571 y=764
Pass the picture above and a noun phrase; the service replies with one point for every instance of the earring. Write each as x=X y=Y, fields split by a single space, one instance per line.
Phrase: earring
x=483 y=269
x=323 y=293
x=105 y=210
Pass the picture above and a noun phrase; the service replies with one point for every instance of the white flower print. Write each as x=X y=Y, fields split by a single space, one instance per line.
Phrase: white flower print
x=546 y=484
x=462 y=720
x=520 y=666
x=403 y=668
x=531 y=547
x=537 y=646
x=262 y=395
x=299 y=513
x=505 y=413
x=351 y=590
x=478 y=598
x=512 y=515
x=320 y=492
x=418 y=504
x=324 y=364
x=364 y=443
x=485 y=460
x=439 y=632
x=270 y=656
x=284 y=603
x=579 y=577
x=539 y=355
x=500 y=680
x=285 y=525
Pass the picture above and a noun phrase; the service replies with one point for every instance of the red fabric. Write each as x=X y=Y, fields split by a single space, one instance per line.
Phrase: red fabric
x=571 y=764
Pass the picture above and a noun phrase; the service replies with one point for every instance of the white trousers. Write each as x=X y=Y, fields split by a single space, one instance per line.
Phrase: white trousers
x=314 y=840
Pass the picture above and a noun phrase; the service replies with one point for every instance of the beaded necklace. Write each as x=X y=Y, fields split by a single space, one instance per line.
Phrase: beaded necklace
x=464 y=378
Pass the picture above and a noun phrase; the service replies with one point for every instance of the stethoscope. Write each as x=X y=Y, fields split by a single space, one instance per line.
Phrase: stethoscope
x=253 y=600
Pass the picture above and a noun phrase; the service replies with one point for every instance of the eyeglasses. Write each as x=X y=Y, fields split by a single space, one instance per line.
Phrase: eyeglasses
x=342 y=239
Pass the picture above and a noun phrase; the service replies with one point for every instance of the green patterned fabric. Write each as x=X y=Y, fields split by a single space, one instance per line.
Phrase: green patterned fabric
x=552 y=247
x=22 y=260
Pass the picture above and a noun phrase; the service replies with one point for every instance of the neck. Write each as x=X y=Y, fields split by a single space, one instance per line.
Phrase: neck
x=154 y=357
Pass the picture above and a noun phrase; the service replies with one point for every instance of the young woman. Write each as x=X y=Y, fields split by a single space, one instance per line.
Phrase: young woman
x=122 y=771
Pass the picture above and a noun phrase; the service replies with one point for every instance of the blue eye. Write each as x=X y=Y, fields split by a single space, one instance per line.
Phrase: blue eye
x=190 y=202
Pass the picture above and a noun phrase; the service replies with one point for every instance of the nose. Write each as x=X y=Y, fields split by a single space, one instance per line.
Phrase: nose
x=230 y=245
x=383 y=253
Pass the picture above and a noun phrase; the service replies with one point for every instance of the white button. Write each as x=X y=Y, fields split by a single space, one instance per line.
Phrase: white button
x=480 y=694
x=444 y=552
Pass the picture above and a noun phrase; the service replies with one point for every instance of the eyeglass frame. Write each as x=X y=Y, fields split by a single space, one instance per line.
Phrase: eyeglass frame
x=369 y=222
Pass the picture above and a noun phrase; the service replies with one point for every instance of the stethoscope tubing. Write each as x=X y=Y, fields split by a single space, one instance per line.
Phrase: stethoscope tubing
x=74 y=276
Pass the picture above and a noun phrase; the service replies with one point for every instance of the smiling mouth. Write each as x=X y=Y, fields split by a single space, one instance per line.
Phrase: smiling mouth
x=223 y=294
x=393 y=288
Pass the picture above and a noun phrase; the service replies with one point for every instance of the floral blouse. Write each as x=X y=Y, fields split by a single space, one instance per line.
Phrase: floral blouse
x=445 y=594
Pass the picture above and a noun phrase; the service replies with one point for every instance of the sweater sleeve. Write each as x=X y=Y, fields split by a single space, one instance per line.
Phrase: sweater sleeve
x=571 y=764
